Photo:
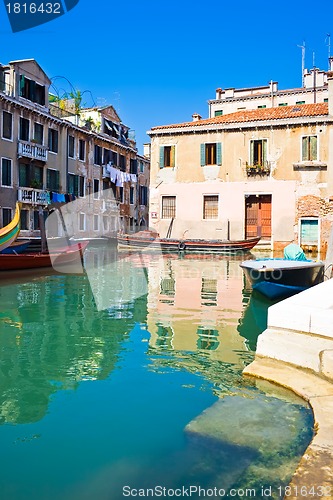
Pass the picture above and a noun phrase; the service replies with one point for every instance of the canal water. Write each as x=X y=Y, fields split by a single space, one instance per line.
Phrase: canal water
x=146 y=393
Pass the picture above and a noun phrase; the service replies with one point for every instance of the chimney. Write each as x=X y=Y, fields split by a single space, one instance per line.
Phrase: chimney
x=196 y=117
x=330 y=92
x=218 y=93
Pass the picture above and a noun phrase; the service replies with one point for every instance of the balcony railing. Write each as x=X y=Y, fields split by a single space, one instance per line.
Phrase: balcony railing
x=33 y=196
x=32 y=150
x=262 y=169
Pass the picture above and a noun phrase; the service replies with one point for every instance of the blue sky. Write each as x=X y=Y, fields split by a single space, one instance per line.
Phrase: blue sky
x=159 y=62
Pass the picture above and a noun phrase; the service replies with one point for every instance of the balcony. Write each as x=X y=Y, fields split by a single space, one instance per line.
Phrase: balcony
x=32 y=150
x=33 y=196
x=261 y=170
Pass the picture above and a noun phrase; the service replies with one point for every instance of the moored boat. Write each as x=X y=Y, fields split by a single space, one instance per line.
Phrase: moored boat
x=16 y=247
x=60 y=259
x=9 y=233
x=149 y=240
x=280 y=278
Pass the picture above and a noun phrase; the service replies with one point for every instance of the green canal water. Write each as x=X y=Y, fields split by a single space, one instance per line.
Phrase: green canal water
x=146 y=393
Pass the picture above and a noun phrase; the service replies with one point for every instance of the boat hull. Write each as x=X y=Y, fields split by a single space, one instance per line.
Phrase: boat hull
x=278 y=278
x=64 y=257
x=16 y=247
x=195 y=245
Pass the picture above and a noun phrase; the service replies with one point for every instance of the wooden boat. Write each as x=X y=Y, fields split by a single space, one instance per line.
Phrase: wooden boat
x=150 y=240
x=281 y=278
x=58 y=259
x=16 y=247
x=9 y=233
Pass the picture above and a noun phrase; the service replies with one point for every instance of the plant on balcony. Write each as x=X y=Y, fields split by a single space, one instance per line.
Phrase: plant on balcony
x=35 y=184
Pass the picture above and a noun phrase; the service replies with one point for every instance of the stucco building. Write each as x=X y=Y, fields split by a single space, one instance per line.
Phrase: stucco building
x=266 y=171
x=53 y=152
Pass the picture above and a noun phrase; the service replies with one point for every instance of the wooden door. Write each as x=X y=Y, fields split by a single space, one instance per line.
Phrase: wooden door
x=258 y=216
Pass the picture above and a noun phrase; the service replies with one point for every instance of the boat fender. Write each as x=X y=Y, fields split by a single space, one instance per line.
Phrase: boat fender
x=181 y=246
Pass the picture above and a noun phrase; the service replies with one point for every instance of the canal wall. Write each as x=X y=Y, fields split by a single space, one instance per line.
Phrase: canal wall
x=296 y=352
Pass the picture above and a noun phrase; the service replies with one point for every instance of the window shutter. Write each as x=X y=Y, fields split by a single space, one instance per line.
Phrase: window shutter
x=48 y=178
x=252 y=153
x=173 y=155
x=218 y=153
x=264 y=152
x=76 y=185
x=313 y=148
x=202 y=155
x=304 y=148
x=161 y=156
x=57 y=180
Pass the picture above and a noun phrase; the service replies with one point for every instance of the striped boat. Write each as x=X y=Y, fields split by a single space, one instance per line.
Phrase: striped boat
x=9 y=233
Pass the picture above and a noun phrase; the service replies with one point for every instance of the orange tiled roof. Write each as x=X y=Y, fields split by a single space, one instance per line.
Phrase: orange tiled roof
x=262 y=114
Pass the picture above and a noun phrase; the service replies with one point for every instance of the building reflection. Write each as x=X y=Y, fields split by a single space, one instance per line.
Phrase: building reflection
x=194 y=305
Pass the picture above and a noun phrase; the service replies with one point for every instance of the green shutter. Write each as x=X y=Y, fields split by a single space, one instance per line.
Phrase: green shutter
x=313 y=147
x=202 y=154
x=76 y=185
x=252 y=153
x=218 y=153
x=304 y=148
x=48 y=179
x=173 y=155
x=264 y=152
x=161 y=156
x=57 y=180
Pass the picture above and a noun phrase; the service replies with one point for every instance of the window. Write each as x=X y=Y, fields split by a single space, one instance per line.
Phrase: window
x=71 y=146
x=211 y=154
x=300 y=102
x=210 y=206
x=262 y=106
x=6 y=216
x=73 y=184
x=309 y=148
x=258 y=152
x=7 y=125
x=105 y=223
x=218 y=112
x=143 y=195
x=96 y=222
x=131 y=195
x=31 y=90
x=168 y=207
x=106 y=156
x=142 y=167
x=133 y=166
x=81 y=186
x=52 y=179
x=6 y=172
x=24 y=216
x=30 y=175
x=24 y=129
x=97 y=155
x=38 y=133
x=283 y=104
x=122 y=162
x=167 y=156
x=121 y=195
x=82 y=149
x=96 y=189
x=82 y=222
x=53 y=140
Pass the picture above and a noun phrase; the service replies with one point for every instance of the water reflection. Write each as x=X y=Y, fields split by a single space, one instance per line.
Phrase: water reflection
x=254 y=318
x=52 y=338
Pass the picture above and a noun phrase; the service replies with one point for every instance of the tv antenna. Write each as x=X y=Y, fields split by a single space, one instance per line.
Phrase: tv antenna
x=303 y=60
x=328 y=40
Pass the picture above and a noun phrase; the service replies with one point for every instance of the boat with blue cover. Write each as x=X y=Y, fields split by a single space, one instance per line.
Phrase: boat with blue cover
x=281 y=278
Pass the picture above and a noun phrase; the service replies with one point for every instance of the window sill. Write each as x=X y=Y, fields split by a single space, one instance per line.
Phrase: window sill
x=310 y=165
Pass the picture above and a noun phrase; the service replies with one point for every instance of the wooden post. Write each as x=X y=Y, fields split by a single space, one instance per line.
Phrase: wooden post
x=329 y=254
x=42 y=229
